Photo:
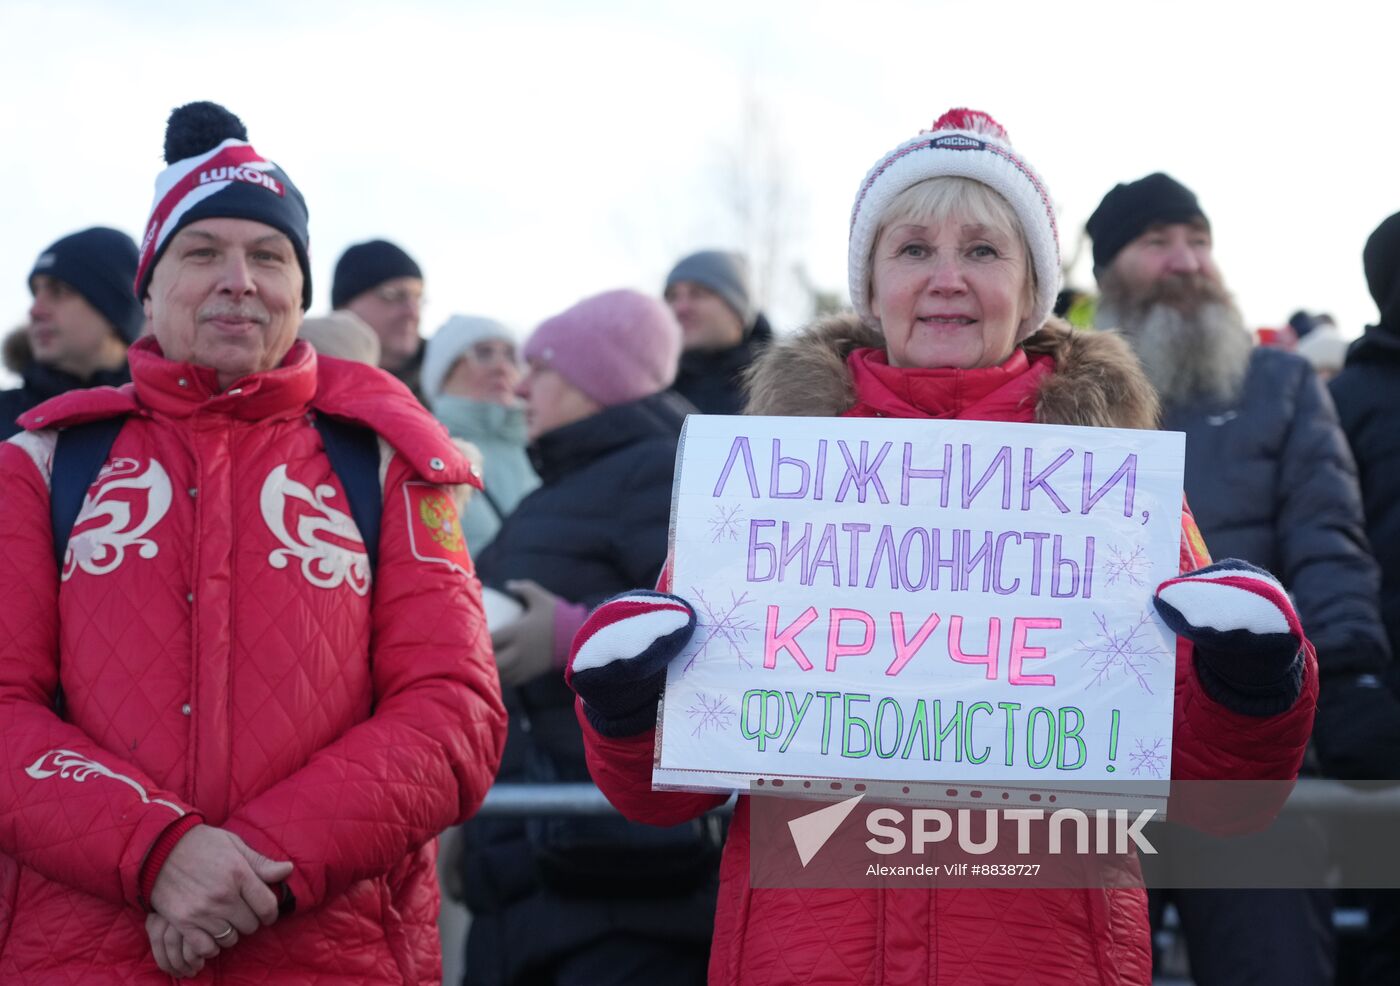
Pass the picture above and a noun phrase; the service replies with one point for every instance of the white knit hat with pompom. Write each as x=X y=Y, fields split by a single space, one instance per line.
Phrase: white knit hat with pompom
x=964 y=144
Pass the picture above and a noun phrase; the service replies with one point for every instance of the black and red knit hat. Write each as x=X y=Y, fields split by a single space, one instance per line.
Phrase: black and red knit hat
x=213 y=172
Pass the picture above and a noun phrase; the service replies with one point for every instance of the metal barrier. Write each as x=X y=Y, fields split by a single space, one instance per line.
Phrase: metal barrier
x=523 y=800
x=1327 y=797
x=1312 y=794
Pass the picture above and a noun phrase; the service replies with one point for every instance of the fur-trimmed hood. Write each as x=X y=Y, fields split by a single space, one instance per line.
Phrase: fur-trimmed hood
x=16 y=351
x=1097 y=380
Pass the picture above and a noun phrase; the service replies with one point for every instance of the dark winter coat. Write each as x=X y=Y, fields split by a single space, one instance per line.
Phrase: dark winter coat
x=1367 y=393
x=711 y=380
x=43 y=382
x=596 y=526
x=1271 y=480
x=411 y=373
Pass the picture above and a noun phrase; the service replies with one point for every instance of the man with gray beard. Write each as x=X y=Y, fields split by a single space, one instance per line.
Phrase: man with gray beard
x=1270 y=479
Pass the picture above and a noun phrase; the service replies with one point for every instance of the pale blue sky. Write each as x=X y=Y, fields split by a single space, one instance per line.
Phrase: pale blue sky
x=529 y=154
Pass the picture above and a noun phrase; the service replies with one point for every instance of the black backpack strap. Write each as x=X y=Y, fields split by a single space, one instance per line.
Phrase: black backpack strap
x=78 y=456
x=354 y=454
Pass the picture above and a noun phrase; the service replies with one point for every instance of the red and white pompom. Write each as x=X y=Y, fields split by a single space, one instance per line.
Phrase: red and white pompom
x=972 y=121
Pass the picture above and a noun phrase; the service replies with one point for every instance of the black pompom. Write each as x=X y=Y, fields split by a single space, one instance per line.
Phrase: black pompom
x=199 y=127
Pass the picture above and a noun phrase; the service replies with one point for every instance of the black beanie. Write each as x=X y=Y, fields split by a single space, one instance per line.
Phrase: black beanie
x=365 y=266
x=1126 y=212
x=100 y=264
x=214 y=173
x=1381 y=261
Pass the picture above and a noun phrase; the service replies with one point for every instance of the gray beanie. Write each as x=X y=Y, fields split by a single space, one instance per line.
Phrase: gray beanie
x=724 y=273
x=445 y=346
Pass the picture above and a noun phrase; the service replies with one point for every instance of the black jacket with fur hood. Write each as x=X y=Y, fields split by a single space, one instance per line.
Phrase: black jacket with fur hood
x=41 y=382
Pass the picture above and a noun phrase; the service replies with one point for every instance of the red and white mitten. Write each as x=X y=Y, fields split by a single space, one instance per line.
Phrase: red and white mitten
x=619 y=658
x=1248 y=640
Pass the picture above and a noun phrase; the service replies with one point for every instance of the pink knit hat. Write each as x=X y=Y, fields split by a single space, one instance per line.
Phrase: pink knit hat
x=616 y=347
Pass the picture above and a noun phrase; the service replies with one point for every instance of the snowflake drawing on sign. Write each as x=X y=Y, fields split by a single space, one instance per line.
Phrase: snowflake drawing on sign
x=720 y=630
x=1149 y=759
x=1130 y=652
x=709 y=713
x=724 y=522
x=1127 y=567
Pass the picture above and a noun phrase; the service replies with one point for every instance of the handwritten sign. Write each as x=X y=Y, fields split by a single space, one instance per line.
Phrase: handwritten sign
x=898 y=602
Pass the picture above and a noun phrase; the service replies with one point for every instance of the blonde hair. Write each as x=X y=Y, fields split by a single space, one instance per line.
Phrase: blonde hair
x=936 y=199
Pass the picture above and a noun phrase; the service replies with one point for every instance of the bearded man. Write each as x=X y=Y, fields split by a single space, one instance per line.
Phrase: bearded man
x=239 y=702
x=1271 y=480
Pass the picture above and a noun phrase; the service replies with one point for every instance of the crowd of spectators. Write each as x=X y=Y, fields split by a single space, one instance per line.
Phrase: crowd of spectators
x=561 y=457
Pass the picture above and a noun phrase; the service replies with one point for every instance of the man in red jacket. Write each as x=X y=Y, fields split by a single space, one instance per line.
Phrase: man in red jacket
x=229 y=736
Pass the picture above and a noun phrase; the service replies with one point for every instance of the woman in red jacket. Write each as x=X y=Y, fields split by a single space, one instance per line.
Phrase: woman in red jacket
x=954 y=265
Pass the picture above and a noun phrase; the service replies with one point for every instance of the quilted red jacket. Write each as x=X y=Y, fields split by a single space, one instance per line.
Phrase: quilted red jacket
x=223 y=648
x=802 y=937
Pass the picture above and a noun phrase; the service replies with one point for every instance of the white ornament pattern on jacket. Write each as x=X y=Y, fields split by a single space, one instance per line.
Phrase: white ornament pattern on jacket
x=324 y=563
x=68 y=764
x=124 y=523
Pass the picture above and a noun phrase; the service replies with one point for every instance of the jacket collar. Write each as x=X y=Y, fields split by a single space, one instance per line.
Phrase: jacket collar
x=726 y=363
x=1096 y=380
x=1003 y=393
x=1380 y=344
x=481 y=420
x=183 y=390
x=362 y=395
x=46 y=381
x=573 y=446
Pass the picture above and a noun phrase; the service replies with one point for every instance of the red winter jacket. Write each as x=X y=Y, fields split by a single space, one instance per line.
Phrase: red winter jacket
x=223 y=649
x=778 y=937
